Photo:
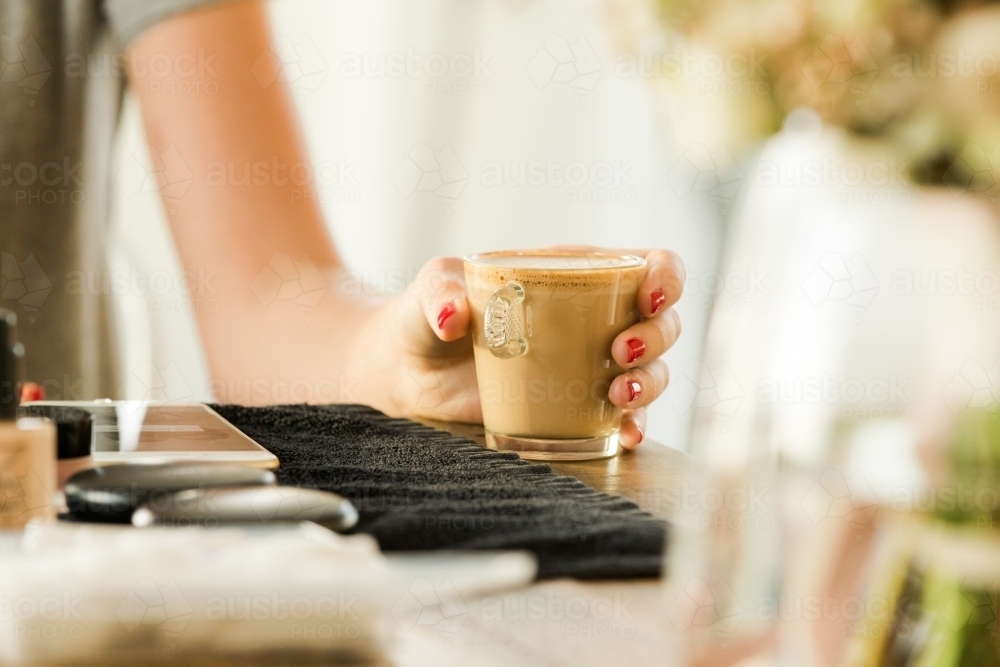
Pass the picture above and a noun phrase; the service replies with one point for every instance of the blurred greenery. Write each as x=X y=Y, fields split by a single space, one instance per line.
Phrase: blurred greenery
x=975 y=470
x=959 y=624
x=922 y=76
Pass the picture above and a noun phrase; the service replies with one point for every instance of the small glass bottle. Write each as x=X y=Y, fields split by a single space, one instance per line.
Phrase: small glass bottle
x=27 y=445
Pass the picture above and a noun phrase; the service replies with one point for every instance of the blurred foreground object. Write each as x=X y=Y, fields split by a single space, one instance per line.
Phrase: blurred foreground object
x=123 y=596
x=831 y=401
x=940 y=573
x=27 y=445
x=296 y=594
x=858 y=314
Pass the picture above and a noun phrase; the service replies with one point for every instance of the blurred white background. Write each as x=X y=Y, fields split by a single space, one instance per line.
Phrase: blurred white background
x=390 y=92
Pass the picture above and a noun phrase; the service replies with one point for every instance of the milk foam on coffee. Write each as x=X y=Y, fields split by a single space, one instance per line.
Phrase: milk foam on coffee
x=557 y=261
x=567 y=308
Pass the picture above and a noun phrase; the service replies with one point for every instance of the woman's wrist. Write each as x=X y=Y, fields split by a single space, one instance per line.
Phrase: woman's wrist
x=372 y=361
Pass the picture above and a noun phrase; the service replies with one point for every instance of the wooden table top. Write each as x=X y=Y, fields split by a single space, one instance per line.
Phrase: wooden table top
x=564 y=621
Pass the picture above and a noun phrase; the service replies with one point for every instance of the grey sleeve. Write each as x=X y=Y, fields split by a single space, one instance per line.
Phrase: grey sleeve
x=129 y=18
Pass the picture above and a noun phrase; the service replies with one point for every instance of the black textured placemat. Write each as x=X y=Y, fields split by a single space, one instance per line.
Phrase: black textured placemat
x=417 y=488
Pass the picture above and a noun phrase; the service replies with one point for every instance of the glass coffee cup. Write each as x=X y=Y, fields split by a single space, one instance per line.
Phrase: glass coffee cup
x=542 y=327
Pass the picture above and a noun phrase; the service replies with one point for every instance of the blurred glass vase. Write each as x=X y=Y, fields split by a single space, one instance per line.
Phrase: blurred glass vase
x=881 y=324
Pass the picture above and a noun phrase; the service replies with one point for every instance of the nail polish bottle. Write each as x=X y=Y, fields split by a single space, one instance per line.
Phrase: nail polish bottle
x=27 y=445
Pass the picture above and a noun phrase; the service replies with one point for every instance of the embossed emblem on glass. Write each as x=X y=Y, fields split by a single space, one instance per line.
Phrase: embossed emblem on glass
x=503 y=322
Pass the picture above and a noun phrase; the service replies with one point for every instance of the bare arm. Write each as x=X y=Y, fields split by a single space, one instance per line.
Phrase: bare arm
x=243 y=208
x=408 y=355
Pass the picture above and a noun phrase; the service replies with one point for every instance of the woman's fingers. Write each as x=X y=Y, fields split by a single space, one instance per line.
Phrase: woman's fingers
x=637 y=387
x=663 y=284
x=439 y=290
x=633 y=428
x=32 y=392
x=646 y=340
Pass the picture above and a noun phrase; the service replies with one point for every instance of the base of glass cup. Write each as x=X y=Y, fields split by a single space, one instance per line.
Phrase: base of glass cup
x=545 y=449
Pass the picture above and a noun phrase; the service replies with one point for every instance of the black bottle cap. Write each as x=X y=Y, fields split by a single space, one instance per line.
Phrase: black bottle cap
x=11 y=353
x=73 y=427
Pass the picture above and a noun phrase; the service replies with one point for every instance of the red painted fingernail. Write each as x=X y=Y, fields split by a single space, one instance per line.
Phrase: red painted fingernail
x=636 y=348
x=656 y=300
x=445 y=313
x=634 y=389
x=32 y=392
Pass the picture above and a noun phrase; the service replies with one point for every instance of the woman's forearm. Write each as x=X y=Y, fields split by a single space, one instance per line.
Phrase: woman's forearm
x=247 y=224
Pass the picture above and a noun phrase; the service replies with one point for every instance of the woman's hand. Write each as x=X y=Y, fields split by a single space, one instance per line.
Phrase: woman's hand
x=416 y=352
x=425 y=366
x=638 y=348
